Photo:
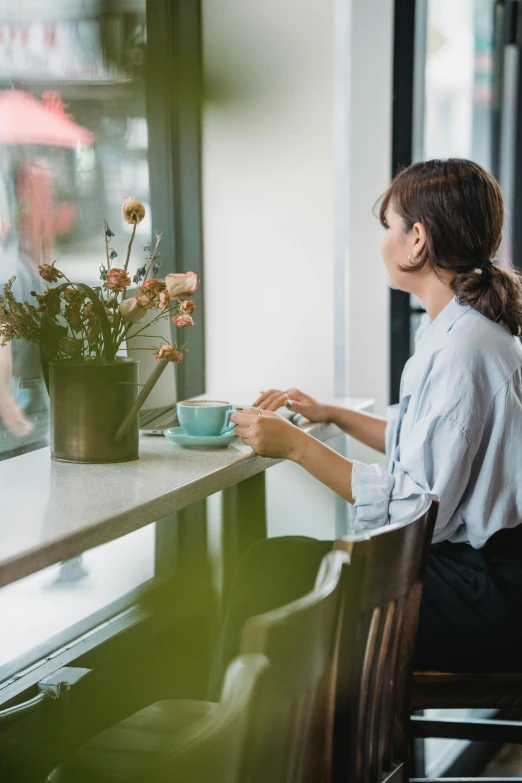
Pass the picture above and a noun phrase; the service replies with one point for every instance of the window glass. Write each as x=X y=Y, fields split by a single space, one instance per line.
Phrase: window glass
x=73 y=144
x=458 y=80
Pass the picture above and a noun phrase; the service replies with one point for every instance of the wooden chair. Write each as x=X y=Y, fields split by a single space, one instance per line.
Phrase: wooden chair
x=445 y=690
x=274 y=731
x=382 y=593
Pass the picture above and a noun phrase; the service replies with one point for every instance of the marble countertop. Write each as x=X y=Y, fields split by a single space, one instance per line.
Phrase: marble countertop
x=52 y=511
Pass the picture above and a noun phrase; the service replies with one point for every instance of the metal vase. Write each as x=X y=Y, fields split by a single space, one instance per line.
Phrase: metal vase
x=89 y=400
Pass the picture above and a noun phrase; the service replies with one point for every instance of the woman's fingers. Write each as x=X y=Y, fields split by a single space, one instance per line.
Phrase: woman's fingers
x=264 y=396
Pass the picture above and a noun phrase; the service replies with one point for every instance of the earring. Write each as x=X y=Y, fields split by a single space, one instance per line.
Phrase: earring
x=410 y=258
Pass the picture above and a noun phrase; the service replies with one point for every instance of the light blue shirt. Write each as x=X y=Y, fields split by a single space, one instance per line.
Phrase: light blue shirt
x=455 y=435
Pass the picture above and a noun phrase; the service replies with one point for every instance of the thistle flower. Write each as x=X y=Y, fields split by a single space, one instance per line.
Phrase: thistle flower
x=132 y=210
x=169 y=352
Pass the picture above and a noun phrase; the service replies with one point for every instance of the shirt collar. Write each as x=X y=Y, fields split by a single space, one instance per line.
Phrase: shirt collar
x=445 y=319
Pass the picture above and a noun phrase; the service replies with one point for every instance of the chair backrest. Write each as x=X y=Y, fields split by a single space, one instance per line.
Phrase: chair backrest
x=287 y=734
x=382 y=594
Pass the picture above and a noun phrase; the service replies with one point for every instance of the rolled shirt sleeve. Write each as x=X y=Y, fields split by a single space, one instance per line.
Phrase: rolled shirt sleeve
x=434 y=462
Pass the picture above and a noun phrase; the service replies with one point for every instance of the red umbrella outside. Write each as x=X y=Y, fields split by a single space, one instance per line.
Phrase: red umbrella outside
x=24 y=120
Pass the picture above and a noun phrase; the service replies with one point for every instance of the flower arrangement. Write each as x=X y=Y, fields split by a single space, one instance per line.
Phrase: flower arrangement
x=74 y=321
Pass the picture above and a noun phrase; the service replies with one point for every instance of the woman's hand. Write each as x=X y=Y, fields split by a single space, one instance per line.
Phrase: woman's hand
x=268 y=434
x=295 y=401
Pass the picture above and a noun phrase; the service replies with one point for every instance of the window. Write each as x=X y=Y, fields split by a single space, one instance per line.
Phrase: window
x=73 y=144
x=103 y=76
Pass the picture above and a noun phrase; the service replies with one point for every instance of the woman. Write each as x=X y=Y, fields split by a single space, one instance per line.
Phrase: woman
x=456 y=433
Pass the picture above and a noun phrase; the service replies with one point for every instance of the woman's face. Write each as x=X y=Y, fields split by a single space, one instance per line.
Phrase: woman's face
x=397 y=246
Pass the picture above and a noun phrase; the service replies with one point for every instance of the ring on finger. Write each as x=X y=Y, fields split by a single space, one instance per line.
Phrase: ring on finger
x=260 y=412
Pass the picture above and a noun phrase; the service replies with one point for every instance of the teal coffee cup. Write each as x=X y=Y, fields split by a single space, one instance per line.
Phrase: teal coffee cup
x=205 y=417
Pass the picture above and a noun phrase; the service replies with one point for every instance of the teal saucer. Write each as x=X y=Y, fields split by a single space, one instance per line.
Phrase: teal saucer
x=178 y=436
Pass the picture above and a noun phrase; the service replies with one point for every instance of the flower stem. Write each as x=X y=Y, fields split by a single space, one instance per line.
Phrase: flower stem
x=131 y=240
x=153 y=256
x=105 y=228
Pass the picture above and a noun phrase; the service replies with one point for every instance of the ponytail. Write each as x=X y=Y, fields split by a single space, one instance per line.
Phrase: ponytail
x=494 y=292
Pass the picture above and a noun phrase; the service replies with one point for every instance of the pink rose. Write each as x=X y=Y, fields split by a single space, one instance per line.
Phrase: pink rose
x=131 y=311
x=117 y=279
x=187 y=307
x=180 y=286
x=169 y=352
x=183 y=320
x=164 y=300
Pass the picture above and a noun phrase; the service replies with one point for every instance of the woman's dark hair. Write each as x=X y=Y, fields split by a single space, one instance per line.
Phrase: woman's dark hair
x=461 y=208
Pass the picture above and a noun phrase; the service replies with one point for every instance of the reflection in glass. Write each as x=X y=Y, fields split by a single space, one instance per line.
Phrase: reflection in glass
x=73 y=144
x=458 y=80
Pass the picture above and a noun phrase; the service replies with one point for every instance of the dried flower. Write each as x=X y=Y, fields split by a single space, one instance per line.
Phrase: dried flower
x=88 y=311
x=131 y=311
x=117 y=279
x=73 y=347
x=164 y=300
x=108 y=233
x=169 y=352
x=183 y=320
x=133 y=210
x=49 y=302
x=93 y=332
x=73 y=295
x=187 y=307
x=180 y=286
x=49 y=272
x=73 y=318
x=103 y=273
x=153 y=284
x=113 y=254
x=145 y=299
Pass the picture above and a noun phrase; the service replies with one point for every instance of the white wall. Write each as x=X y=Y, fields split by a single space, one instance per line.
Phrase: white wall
x=267 y=194
x=296 y=149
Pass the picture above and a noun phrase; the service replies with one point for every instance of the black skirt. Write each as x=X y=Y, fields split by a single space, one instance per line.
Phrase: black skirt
x=471 y=611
